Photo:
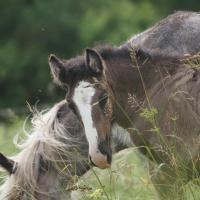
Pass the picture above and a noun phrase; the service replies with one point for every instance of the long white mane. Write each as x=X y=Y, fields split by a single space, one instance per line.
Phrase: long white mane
x=49 y=142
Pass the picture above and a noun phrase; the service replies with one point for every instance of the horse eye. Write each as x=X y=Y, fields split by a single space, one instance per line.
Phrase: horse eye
x=103 y=101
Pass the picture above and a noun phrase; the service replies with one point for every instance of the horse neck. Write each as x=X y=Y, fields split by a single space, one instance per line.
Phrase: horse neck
x=122 y=80
x=130 y=81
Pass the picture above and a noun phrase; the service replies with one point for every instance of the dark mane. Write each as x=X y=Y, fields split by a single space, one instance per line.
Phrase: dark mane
x=76 y=68
x=108 y=52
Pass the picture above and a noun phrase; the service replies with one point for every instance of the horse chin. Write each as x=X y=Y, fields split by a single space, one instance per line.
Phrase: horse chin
x=99 y=160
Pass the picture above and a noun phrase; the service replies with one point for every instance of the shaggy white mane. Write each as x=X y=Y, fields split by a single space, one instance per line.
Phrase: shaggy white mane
x=48 y=140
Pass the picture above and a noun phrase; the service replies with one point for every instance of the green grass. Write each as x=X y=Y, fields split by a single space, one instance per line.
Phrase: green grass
x=128 y=178
x=7 y=133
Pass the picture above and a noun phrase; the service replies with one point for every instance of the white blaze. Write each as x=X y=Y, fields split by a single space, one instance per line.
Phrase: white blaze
x=83 y=94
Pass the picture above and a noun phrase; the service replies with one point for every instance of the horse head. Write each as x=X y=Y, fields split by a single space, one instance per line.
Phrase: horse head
x=88 y=98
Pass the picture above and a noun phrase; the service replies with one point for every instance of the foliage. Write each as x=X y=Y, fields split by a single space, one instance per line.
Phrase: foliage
x=31 y=30
x=127 y=179
x=149 y=114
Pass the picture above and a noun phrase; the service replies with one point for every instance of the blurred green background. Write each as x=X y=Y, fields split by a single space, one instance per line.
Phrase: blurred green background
x=30 y=30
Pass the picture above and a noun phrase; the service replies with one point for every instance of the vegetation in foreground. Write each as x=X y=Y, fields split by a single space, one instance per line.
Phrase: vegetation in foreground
x=127 y=179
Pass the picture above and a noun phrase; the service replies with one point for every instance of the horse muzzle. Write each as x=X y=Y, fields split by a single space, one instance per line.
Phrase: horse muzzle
x=102 y=156
x=99 y=160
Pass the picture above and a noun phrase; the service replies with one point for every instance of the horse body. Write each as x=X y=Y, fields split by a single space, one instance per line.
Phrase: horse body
x=171 y=138
x=170 y=89
x=175 y=97
x=134 y=82
x=176 y=35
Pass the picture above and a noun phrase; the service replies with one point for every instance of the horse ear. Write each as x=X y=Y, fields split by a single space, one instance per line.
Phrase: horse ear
x=58 y=70
x=8 y=164
x=142 y=56
x=94 y=61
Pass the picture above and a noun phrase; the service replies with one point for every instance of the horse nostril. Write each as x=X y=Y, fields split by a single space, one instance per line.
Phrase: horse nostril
x=91 y=162
x=102 y=161
x=109 y=158
x=105 y=149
